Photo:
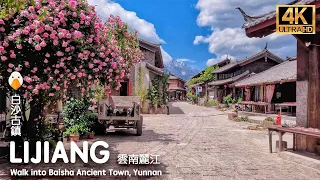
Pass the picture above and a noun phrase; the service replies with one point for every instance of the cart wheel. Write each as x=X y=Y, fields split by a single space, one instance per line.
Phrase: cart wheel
x=139 y=126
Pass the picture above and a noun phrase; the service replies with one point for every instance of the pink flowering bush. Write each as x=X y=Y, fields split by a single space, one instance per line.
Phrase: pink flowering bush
x=59 y=44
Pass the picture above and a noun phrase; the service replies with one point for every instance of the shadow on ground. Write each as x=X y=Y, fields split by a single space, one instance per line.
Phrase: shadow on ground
x=174 y=109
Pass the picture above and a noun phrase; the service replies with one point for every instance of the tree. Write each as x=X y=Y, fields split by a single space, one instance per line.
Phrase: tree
x=58 y=44
x=205 y=77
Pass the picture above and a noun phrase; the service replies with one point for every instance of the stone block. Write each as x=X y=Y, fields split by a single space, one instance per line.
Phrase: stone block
x=232 y=116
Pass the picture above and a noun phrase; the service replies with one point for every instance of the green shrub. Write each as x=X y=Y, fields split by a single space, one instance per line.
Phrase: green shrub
x=239 y=100
x=269 y=119
x=242 y=118
x=228 y=99
x=75 y=115
x=211 y=103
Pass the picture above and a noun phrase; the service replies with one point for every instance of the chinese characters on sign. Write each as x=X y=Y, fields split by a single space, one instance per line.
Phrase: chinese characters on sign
x=138 y=159
x=15 y=116
x=15 y=81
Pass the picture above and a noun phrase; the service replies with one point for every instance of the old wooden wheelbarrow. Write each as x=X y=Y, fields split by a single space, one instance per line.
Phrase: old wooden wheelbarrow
x=120 y=113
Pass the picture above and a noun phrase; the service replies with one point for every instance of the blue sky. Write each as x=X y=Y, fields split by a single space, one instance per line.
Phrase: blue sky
x=199 y=32
x=176 y=24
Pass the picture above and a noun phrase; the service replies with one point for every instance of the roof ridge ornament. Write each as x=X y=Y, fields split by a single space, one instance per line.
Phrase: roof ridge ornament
x=266 y=46
x=247 y=17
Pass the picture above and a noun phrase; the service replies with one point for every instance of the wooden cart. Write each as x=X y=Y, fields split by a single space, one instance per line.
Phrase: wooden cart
x=127 y=104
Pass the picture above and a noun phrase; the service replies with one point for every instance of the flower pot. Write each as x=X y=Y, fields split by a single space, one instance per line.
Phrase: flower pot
x=155 y=109
x=163 y=109
x=145 y=106
x=91 y=135
x=74 y=138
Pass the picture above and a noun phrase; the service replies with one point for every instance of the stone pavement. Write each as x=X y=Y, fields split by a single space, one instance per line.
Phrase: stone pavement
x=200 y=144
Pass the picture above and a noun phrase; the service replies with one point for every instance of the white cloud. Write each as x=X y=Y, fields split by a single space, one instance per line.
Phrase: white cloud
x=198 y=39
x=165 y=56
x=184 y=60
x=146 y=30
x=213 y=61
x=227 y=37
x=183 y=73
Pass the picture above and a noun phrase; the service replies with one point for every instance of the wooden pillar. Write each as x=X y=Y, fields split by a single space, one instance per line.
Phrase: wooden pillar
x=308 y=90
x=302 y=92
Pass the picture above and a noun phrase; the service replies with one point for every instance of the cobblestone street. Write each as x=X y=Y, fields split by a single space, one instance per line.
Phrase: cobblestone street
x=200 y=144
x=203 y=144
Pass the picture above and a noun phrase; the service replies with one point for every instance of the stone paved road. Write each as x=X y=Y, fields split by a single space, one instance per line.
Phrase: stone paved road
x=202 y=144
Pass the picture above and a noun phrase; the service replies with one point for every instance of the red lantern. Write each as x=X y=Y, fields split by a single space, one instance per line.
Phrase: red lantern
x=225 y=86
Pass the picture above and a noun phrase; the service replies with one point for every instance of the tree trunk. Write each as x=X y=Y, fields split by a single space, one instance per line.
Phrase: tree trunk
x=207 y=98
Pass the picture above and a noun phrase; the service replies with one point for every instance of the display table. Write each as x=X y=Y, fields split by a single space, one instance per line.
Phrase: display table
x=297 y=130
x=290 y=104
x=253 y=103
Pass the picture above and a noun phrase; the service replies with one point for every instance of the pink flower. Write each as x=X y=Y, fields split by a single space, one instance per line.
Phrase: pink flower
x=52 y=4
x=31 y=8
x=1 y=22
x=16 y=21
x=73 y=77
x=114 y=65
x=5 y=44
x=77 y=34
x=80 y=55
x=75 y=70
x=9 y=70
x=51 y=94
x=13 y=56
x=56 y=71
x=47 y=55
x=50 y=78
x=46 y=61
x=73 y=3
x=38 y=47
x=35 y=69
x=19 y=46
x=43 y=44
x=67 y=49
x=55 y=42
x=10 y=38
x=1 y=48
x=37 y=38
x=10 y=65
x=35 y=91
x=76 y=26
x=26 y=63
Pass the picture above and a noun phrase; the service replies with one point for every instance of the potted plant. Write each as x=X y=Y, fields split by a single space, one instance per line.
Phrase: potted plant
x=155 y=104
x=91 y=135
x=73 y=133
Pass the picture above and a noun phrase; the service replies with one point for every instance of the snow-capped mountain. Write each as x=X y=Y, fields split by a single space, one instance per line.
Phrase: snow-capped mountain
x=180 y=69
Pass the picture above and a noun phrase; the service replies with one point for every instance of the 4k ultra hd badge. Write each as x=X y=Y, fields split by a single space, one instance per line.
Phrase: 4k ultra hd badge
x=296 y=19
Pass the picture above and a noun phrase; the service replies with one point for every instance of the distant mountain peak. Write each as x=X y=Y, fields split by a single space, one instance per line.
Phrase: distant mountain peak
x=180 y=69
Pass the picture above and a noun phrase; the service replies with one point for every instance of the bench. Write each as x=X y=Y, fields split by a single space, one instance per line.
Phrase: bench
x=282 y=130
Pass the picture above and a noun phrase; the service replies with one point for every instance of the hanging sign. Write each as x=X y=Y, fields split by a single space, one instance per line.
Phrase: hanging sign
x=199 y=89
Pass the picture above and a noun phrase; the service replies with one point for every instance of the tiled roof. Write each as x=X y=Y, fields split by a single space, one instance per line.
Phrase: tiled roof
x=176 y=77
x=264 y=53
x=229 y=80
x=176 y=88
x=156 y=70
x=284 y=72
x=254 y=20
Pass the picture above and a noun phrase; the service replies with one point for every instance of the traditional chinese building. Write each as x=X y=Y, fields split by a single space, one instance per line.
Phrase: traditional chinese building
x=151 y=66
x=308 y=68
x=177 y=88
x=232 y=72
x=274 y=86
